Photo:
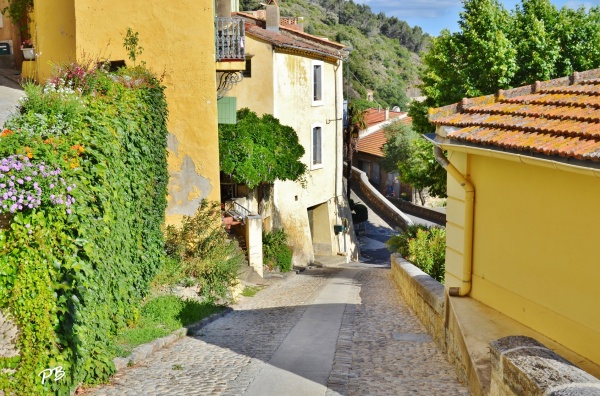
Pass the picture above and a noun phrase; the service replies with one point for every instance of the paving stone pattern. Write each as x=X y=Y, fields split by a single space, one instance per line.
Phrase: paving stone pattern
x=382 y=348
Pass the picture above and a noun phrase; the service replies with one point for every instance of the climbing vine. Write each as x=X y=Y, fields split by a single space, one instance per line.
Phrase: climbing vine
x=85 y=238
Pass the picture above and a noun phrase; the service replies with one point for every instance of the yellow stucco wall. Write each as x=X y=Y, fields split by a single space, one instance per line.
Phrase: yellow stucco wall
x=53 y=33
x=8 y=31
x=534 y=256
x=178 y=39
x=257 y=90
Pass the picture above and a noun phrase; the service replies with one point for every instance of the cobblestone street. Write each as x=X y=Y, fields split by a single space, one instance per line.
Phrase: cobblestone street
x=382 y=349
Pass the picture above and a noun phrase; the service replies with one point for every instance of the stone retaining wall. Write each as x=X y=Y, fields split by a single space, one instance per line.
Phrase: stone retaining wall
x=419 y=211
x=519 y=365
x=376 y=199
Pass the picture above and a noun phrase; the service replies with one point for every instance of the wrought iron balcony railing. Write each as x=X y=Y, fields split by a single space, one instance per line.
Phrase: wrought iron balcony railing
x=230 y=38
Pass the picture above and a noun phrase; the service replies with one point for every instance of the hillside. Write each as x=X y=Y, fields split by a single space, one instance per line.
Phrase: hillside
x=385 y=56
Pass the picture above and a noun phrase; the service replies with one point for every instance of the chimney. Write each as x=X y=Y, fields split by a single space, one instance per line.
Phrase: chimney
x=224 y=8
x=387 y=113
x=273 y=18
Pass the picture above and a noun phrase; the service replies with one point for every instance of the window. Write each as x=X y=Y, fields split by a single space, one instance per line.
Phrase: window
x=317 y=147
x=248 y=72
x=226 y=108
x=317 y=78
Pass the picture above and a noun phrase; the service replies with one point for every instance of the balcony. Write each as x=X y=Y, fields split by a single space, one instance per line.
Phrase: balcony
x=230 y=43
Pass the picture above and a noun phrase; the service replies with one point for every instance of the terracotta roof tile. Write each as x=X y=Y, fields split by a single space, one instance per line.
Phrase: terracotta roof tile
x=376 y=116
x=292 y=39
x=373 y=142
x=552 y=118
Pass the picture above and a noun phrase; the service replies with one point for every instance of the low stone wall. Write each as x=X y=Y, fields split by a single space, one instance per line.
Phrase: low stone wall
x=375 y=198
x=515 y=366
x=523 y=366
x=423 y=294
x=419 y=211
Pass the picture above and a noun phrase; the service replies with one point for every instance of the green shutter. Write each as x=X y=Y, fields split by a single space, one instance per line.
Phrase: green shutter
x=227 y=110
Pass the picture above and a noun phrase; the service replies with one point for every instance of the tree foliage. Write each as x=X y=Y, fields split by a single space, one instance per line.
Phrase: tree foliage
x=496 y=49
x=413 y=156
x=260 y=150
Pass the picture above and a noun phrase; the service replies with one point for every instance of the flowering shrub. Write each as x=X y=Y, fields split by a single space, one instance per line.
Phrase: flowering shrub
x=21 y=183
x=76 y=262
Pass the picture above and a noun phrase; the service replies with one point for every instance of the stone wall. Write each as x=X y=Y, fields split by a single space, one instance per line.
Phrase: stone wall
x=515 y=366
x=419 y=211
x=376 y=199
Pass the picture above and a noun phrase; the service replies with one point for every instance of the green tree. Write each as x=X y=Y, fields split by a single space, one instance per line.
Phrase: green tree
x=397 y=147
x=490 y=61
x=421 y=170
x=578 y=33
x=534 y=35
x=260 y=150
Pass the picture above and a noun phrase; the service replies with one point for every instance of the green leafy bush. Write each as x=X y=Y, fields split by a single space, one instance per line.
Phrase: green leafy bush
x=204 y=251
x=423 y=246
x=259 y=150
x=76 y=265
x=276 y=252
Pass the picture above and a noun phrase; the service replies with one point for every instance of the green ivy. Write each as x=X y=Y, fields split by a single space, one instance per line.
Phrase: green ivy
x=73 y=277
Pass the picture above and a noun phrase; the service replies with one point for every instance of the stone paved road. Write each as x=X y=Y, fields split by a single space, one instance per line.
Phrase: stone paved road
x=382 y=348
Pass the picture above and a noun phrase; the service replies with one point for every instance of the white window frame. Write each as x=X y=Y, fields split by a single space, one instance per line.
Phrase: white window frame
x=313 y=90
x=316 y=165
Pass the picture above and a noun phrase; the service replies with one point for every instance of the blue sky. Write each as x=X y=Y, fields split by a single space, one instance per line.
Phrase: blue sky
x=435 y=15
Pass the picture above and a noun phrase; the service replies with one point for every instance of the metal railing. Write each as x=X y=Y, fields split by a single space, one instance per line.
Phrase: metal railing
x=230 y=37
x=237 y=211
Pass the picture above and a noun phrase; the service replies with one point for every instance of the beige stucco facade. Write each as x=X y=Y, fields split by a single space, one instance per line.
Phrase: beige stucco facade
x=535 y=232
x=281 y=85
x=178 y=42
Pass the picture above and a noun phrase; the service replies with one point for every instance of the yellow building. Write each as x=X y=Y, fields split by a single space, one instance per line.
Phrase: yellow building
x=178 y=40
x=523 y=182
x=297 y=78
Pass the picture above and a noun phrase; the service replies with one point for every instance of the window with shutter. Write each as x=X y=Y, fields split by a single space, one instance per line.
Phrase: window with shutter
x=317 y=79
x=226 y=108
x=317 y=147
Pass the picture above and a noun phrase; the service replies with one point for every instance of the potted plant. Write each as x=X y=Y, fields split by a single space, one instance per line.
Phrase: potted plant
x=28 y=50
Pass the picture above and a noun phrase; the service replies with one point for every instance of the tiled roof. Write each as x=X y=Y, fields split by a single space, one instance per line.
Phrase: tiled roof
x=372 y=143
x=292 y=39
x=376 y=116
x=558 y=118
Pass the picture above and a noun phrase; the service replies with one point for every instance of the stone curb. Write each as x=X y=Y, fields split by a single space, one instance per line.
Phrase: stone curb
x=144 y=351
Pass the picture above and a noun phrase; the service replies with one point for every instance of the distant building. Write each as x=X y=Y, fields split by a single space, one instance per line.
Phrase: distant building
x=369 y=151
x=297 y=78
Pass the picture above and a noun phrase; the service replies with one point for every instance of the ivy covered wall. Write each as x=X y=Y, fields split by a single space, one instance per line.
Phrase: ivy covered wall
x=83 y=178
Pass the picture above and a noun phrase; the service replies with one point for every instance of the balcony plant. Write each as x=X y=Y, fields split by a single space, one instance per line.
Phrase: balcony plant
x=28 y=50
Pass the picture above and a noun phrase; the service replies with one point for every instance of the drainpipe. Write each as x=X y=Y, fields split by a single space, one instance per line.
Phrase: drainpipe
x=465 y=288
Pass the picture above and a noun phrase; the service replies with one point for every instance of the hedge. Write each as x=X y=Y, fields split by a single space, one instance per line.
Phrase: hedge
x=86 y=157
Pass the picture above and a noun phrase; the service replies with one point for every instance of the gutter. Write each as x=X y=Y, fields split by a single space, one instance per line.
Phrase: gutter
x=467 y=267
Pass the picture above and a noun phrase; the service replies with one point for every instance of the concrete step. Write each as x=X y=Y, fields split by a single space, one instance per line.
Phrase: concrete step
x=329 y=261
